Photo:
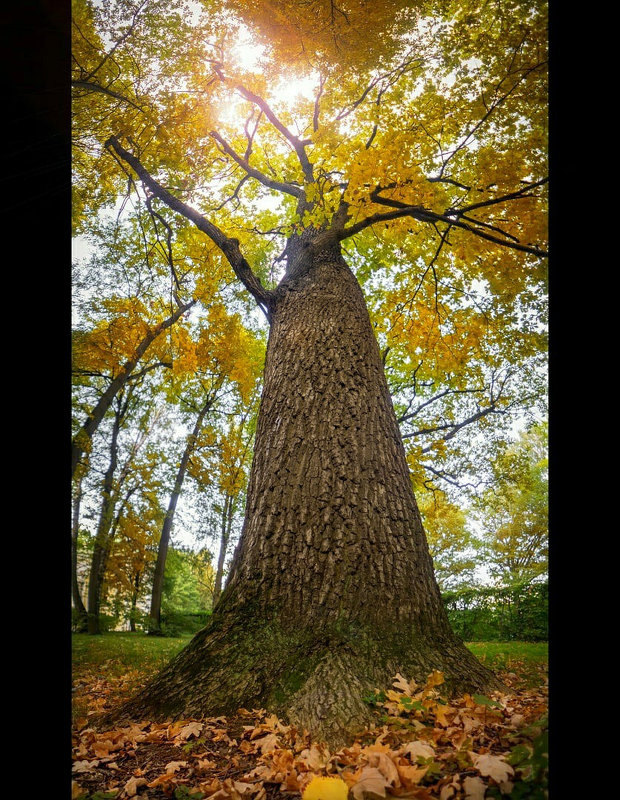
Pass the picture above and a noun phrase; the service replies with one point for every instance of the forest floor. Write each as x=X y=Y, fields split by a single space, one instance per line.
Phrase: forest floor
x=421 y=746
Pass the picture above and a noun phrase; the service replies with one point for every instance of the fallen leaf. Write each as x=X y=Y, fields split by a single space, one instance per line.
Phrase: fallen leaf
x=314 y=757
x=474 y=788
x=205 y=764
x=267 y=743
x=193 y=729
x=417 y=750
x=408 y=687
x=371 y=782
x=132 y=786
x=76 y=790
x=493 y=766
x=85 y=766
x=450 y=790
x=173 y=766
x=411 y=775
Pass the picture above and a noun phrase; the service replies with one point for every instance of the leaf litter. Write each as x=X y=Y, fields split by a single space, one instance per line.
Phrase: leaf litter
x=420 y=747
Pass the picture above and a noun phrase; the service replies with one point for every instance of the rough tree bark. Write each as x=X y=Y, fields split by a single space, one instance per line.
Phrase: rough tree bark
x=331 y=590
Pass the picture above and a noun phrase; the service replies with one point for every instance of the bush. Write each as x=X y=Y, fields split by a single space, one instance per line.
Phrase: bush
x=175 y=623
x=517 y=612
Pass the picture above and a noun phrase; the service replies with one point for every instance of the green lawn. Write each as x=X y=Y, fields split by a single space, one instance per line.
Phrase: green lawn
x=528 y=660
x=116 y=651
x=113 y=653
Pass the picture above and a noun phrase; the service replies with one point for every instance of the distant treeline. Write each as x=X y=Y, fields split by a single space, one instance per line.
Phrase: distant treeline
x=492 y=614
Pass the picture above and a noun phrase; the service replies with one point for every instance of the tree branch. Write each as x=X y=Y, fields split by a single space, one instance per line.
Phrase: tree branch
x=228 y=246
x=280 y=186
x=424 y=215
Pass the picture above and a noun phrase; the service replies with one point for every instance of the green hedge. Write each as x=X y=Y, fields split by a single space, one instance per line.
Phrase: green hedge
x=174 y=623
x=493 y=614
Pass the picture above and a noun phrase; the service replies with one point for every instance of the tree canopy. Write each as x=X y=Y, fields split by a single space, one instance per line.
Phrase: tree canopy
x=385 y=165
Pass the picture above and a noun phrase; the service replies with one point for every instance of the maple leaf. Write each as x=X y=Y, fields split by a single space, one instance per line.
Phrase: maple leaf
x=474 y=788
x=267 y=743
x=450 y=790
x=173 y=766
x=384 y=764
x=85 y=766
x=418 y=749
x=493 y=766
x=193 y=729
x=411 y=775
x=403 y=684
x=314 y=757
x=131 y=787
x=371 y=783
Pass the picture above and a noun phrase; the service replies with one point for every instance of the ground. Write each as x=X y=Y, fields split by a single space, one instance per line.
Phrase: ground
x=419 y=747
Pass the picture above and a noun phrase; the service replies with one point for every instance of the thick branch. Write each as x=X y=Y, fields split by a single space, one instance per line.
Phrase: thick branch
x=424 y=215
x=298 y=145
x=95 y=87
x=228 y=246
x=255 y=173
x=87 y=430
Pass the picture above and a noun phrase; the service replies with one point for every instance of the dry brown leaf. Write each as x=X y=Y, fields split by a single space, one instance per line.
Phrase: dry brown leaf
x=371 y=783
x=474 y=788
x=315 y=757
x=102 y=748
x=204 y=763
x=76 y=790
x=411 y=775
x=385 y=765
x=193 y=729
x=493 y=766
x=449 y=791
x=173 y=766
x=267 y=743
x=418 y=749
x=132 y=786
x=442 y=712
x=244 y=788
x=408 y=687
x=85 y=766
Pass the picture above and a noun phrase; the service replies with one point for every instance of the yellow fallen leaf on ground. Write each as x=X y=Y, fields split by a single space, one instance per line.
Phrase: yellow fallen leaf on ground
x=326 y=788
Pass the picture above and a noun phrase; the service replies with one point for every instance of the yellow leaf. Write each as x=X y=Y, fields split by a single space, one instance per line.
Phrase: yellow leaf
x=328 y=788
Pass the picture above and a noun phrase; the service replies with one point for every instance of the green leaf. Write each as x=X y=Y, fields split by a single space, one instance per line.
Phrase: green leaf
x=482 y=700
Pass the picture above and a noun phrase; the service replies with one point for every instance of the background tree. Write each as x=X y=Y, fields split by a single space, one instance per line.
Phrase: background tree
x=423 y=143
x=512 y=513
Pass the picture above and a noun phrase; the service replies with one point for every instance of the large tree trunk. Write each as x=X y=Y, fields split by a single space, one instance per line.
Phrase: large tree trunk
x=331 y=590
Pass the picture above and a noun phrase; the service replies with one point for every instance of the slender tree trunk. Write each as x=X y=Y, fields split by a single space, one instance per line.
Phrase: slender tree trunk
x=226 y=524
x=331 y=589
x=102 y=538
x=162 y=551
x=134 y=600
x=78 y=604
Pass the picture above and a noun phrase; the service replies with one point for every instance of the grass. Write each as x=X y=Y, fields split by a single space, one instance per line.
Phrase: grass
x=528 y=660
x=115 y=652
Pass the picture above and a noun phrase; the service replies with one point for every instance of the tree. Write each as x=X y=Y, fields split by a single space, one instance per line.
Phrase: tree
x=428 y=138
x=224 y=357
x=513 y=513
